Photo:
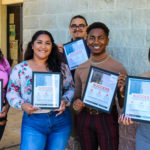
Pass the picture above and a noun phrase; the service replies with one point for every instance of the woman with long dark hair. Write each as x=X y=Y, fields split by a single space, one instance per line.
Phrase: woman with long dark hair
x=4 y=75
x=41 y=129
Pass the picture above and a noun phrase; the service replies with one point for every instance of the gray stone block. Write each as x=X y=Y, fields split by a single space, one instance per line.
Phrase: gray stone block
x=30 y=22
x=101 y=4
x=48 y=21
x=34 y=7
x=26 y=34
x=140 y=18
x=63 y=21
x=138 y=62
x=55 y=6
x=58 y=36
x=128 y=4
x=76 y=5
x=112 y=18
x=148 y=38
x=128 y=38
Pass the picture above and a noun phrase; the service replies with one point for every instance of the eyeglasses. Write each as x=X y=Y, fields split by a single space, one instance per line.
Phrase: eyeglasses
x=80 y=26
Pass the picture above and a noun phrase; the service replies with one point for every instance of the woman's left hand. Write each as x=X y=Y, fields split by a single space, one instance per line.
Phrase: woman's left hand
x=4 y=111
x=62 y=107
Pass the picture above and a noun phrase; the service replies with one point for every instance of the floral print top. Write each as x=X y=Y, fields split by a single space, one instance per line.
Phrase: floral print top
x=19 y=89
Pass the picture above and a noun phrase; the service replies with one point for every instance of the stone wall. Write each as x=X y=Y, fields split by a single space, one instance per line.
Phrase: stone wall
x=129 y=25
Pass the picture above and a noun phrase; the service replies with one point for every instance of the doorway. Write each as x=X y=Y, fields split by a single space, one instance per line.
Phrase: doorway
x=14 y=34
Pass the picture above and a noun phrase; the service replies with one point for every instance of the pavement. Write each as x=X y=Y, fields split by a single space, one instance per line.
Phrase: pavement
x=11 y=136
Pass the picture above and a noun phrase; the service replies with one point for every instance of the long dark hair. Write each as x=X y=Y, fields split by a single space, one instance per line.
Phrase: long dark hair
x=54 y=60
x=1 y=56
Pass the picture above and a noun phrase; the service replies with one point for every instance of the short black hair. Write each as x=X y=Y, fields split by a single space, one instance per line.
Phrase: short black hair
x=78 y=16
x=98 y=25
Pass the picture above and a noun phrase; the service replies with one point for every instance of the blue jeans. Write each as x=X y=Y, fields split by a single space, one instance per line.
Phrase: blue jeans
x=45 y=131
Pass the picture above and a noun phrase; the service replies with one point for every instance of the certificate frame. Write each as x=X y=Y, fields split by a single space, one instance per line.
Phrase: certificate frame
x=71 y=50
x=97 y=83
x=136 y=93
x=56 y=90
x=1 y=94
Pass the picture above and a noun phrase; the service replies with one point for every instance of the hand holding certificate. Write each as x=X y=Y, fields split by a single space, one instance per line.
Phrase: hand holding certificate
x=137 y=98
x=46 y=90
x=1 y=94
x=100 y=89
x=76 y=53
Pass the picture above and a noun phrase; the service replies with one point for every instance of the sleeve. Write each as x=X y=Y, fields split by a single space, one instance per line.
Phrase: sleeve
x=119 y=96
x=68 y=85
x=14 y=89
x=123 y=70
x=78 y=85
x=8 y=68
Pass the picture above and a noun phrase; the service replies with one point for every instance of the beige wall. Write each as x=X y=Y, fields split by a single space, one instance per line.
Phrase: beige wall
x=7 y=2
x=3 y=28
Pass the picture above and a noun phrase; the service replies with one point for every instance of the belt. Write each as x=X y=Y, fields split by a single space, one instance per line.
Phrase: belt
x=93 y=111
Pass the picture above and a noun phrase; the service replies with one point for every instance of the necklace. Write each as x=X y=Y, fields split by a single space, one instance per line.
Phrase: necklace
x=100 y=62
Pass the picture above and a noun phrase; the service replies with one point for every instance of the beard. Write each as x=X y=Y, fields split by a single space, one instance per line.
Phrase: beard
x=79 y=34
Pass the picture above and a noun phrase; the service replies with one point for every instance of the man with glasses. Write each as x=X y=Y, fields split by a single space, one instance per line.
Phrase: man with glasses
x=77 y=27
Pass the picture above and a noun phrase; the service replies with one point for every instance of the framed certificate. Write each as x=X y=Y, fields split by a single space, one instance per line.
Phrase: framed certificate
x=46 y=90
x=137 y=98
x=1 y=94
x=76 y=53
x=100 y=89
